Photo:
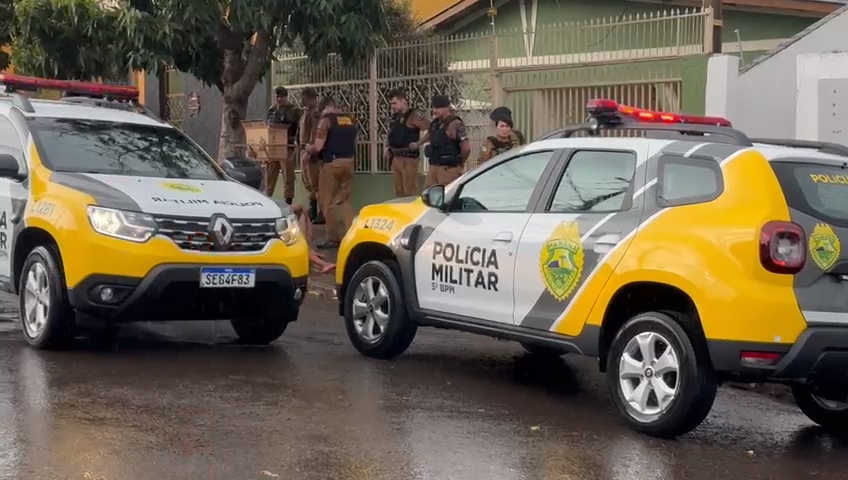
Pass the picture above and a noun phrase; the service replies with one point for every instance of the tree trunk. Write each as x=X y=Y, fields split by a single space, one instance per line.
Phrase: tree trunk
x=232 y=141
x=239 y=78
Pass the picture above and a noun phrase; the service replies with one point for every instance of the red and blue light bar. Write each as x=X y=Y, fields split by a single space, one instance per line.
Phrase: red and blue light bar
x=21 y=82
x=605 y=108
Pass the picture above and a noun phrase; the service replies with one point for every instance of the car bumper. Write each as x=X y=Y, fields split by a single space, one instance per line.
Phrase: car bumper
x=103 y=255
x=820 y=355
x=173 y=292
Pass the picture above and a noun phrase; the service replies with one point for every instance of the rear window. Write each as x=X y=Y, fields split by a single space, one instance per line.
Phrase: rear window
x=817 y=190
x=93 y=146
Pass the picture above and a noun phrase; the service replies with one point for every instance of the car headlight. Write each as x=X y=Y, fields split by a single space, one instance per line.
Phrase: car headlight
x=288 y=229
x=131 y=226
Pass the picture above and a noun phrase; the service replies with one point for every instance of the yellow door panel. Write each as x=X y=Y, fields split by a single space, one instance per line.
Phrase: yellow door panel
x=716 y=259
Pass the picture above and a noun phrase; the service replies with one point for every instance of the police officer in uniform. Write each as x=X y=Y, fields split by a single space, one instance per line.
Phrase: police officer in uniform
x=283 y=113
x=335 y=145
x=310 y=165
x=505 y=112
x=449 y=147
x=402 y=143
x=505 y=139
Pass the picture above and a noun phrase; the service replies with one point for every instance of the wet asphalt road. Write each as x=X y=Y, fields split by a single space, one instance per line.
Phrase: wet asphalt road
x=182 y=401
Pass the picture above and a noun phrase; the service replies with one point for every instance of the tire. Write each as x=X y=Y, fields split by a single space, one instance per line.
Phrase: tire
x=540 y=351
x=833 y=417
x=398 y=330
x=259 y=331
x=47 y=319
x=694 y=386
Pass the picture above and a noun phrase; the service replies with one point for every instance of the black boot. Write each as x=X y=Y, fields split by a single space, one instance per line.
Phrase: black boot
x=289 y=201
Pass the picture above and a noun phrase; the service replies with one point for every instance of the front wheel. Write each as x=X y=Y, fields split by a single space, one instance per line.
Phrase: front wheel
x=375 y=311
x=259 y=331
x=47 y=320
x=660 y=382
x=828 y=409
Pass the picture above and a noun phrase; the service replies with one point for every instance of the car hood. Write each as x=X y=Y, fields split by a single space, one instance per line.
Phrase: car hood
x=177 y=197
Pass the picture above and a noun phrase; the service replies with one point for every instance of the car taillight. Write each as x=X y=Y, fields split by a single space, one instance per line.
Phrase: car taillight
x=783 y=247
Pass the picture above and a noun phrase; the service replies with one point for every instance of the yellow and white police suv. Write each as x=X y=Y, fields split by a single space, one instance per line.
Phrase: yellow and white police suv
x=680 y=259
x=108 y=214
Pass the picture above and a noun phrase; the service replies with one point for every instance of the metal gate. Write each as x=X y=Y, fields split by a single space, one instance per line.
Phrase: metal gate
x=541 y=110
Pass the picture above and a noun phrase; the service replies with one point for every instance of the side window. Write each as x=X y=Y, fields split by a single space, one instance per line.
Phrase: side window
x=9 y=142
x=596 y=181
x=687 y=180
x=506 y=187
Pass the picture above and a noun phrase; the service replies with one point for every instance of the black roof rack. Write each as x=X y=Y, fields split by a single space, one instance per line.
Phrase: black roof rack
x=125 y=105
x=717 y=134
x=823 y=147
x=21 y=101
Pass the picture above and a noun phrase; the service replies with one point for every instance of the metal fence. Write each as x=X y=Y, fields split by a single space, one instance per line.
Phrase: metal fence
x=545 y=76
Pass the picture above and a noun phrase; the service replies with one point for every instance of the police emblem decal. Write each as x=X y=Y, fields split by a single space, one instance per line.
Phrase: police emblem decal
x=824 y=246
x=181 y=187
x=561 y=260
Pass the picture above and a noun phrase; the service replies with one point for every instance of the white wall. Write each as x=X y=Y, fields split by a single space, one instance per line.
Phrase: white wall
x=762 y=100
x=821 y=84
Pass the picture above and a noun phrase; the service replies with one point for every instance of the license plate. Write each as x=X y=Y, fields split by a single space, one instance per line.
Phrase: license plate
x=227 y=277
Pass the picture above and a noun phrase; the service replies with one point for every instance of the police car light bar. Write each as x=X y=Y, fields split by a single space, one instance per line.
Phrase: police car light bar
x=19 y=82
x=610 y=111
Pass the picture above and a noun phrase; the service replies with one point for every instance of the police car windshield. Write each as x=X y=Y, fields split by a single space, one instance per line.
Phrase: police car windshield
x=94 y=146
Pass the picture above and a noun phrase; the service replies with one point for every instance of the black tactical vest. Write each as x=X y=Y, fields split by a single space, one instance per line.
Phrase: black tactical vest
x=341 y=137
x=401 y=135
x=444 y=150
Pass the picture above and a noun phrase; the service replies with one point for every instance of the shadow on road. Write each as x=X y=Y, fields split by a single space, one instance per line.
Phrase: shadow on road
x=812 y=442
x=553 y=375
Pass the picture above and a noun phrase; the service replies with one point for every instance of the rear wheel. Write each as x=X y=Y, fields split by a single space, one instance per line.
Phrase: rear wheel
x=259 y=331
x=660 y=382
x=47 y=319
x=828 y=409
x=540 y=351
x=375 y=311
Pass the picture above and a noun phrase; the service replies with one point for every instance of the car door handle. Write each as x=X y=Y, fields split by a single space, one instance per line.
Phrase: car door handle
x=505 y=237
x=605 y=243
x=609 y=240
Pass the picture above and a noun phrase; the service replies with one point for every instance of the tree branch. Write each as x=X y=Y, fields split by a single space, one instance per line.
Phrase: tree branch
x=256 y=64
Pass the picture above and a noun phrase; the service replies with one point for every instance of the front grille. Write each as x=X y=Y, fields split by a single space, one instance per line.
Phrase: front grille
x=193 y=233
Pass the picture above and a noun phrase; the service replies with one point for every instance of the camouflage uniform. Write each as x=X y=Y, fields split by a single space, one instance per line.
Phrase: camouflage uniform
x=493 y=146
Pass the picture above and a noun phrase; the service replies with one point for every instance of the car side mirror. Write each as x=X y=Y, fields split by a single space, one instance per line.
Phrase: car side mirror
x=9 y=167
x=434 y=197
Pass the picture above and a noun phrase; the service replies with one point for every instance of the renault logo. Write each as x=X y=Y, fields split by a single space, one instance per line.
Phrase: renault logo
x=221 y=231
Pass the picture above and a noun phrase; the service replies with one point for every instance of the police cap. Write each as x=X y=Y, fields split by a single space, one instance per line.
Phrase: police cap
x=440 y=101
x=500 y=114
x=281 y=92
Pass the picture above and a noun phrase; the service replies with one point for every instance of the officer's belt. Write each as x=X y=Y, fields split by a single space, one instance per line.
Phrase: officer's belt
x=404 y=152
x=446 y=161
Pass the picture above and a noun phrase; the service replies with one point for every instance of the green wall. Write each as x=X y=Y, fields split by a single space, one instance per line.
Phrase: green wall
x=752 y=26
